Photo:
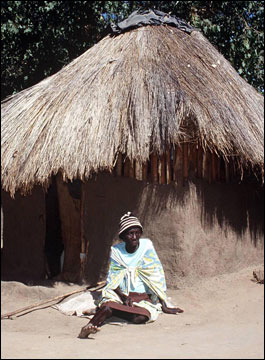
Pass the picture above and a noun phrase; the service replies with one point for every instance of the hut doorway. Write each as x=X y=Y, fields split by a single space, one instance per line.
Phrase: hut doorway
x=53 y=239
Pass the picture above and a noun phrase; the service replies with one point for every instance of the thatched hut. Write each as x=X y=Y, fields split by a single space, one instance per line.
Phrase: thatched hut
x=152 y=119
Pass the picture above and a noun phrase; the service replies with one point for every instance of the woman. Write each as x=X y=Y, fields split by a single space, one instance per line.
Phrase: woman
x=136 y=287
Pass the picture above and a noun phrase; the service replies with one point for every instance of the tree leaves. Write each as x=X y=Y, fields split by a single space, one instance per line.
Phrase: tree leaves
x=39 y=37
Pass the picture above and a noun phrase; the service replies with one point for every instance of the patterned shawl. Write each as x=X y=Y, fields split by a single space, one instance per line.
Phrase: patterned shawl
x=148 y=268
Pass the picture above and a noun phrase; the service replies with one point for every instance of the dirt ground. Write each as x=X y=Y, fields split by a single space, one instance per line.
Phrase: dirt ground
x=223 y=319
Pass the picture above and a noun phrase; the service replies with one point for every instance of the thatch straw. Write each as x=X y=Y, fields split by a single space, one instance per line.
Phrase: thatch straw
x=132 y=94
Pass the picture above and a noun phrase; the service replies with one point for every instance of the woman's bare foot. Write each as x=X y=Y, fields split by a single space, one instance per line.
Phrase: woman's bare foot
x=87 y=330
x=178 y=310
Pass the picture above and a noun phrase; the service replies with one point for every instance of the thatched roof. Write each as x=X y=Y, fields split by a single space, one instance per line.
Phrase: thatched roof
x=133 y=94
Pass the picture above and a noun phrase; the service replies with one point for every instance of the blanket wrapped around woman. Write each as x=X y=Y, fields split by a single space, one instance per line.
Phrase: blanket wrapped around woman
x=139 y=274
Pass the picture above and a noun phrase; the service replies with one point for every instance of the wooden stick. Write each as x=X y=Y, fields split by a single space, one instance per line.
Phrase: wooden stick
x=178 y=170
x=138 y=171
x=205 y=166
x=154 y=169
x=119 y=165
x=162 y=169
x=168 y=165
x=57 y=298
x=174 y=163
x=145 y=171
x=185 y=163
x=132 y=169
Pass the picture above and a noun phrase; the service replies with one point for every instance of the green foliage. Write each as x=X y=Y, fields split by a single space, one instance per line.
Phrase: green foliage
x=40 y=37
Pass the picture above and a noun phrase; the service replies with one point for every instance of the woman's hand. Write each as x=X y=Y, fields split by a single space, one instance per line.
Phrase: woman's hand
x=127 y=300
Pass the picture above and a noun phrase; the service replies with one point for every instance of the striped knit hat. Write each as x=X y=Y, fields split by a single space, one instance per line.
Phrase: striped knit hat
x=128 y=220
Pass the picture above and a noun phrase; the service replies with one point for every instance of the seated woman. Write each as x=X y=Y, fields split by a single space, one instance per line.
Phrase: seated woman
x=136 y=286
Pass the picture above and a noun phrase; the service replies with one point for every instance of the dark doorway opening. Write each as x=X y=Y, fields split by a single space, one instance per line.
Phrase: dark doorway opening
x=53 y=241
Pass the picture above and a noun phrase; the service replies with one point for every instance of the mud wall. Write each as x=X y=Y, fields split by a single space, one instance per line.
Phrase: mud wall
x=198 y=230
x=23 y=221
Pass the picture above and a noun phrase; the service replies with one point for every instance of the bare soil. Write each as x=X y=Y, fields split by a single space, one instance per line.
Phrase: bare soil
x=223 y=319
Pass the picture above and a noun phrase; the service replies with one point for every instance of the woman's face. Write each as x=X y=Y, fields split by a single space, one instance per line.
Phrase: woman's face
x=132 y=236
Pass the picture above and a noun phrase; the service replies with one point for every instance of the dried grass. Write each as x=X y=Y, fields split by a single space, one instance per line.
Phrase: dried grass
x=130 y=94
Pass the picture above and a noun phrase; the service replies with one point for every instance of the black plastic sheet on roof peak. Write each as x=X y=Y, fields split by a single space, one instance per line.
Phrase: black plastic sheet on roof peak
x=149 y=17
